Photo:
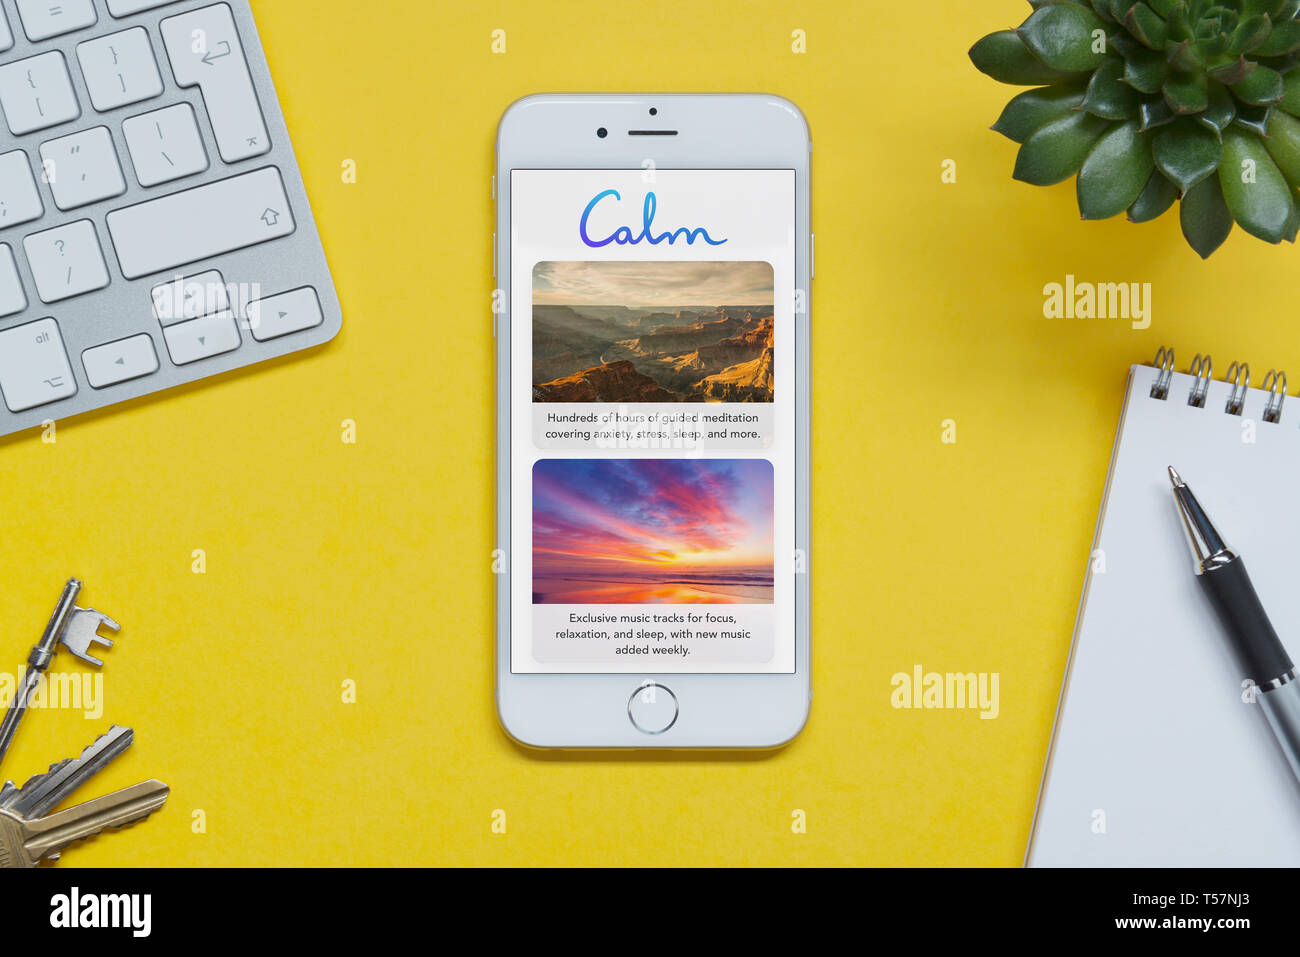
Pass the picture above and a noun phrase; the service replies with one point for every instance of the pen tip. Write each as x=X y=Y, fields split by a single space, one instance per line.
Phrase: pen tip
x=1175 y=478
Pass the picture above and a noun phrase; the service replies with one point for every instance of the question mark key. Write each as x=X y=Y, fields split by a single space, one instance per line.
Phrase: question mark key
x=66 y=261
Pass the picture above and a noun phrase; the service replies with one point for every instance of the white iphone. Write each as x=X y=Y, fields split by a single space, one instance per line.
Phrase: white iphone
x=653 y=258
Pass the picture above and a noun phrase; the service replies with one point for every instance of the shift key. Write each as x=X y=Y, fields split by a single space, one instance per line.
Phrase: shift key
x=200 y=223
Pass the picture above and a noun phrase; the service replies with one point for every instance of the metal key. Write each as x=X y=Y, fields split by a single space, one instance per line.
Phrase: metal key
x=77 y=629
x=9 y=792
x=39 y=659
x=44 y=792
x=30 y=804
x=82 y=631
x=25 y=843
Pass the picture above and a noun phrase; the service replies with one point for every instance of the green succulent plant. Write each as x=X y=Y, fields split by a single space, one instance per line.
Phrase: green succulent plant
x=1156 y=101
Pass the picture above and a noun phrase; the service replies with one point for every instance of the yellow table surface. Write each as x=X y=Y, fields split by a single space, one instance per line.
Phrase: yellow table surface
x=370 y=562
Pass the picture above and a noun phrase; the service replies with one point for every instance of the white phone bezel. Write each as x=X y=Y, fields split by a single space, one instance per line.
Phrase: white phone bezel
x=714 y=131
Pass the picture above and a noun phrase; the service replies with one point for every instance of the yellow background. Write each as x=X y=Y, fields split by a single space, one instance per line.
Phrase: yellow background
x=370 y=562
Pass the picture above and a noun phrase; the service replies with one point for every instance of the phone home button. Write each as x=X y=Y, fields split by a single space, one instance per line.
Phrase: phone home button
x=652 y=708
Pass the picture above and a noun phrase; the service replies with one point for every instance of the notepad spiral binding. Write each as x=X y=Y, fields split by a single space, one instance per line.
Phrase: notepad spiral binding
x=1202 y=370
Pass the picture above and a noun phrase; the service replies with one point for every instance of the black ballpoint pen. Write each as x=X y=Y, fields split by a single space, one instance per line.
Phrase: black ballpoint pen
x=1223 y=578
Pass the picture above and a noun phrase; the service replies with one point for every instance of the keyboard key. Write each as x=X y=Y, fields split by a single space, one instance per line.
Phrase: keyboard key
x=43 y=19
x=36 y=93
x=19 y=200
x=189 y=297
x=124 y=8
x=280 y=315
x=82 y=168
x=119 y=69
x=220 y=71
x=165 y=145
x=120 y=361
x=34 y=368
x=202 y=338
x=66 y=261
x=200 y=223
x=12 y=297
x=6 y=35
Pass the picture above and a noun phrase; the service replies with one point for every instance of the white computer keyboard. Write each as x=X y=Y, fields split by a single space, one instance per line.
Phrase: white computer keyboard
x=154 y=228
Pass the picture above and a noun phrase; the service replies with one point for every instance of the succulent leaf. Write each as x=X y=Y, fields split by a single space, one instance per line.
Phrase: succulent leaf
x=1186 y=57
x=1263 y=86
x=1205 y=218
x=1187 y=93
x=1186 y=154
x=1285 y=64
x=1250 y=33
x=1122 y=42
x=1146 y=71
x=1055 y=151
x=1033 y=108
x=1004 y=56
x=1221 y=110
x=1283 y=144
x=1061 y=36
x=1145 y=24
x=1214 y=47
x=1293 y=228
x=1180 y=23
x=1156 y=198
x=1120 y=8
x=1155 y=113
x=1257 y=193
x=1102 y=9
x=1231 y=72
x=1107 y=97
x=1284 y=39
x=1250 y=8
x=1115 y=173
x=1253 y=118
x=1291 y=93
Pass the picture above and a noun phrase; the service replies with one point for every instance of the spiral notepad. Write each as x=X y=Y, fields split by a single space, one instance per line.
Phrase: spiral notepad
x=1157 y=758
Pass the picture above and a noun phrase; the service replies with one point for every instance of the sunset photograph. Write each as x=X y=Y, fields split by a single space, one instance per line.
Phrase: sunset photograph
x=652 y=531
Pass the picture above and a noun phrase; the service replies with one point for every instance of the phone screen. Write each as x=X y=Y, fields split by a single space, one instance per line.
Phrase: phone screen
x=653 y=408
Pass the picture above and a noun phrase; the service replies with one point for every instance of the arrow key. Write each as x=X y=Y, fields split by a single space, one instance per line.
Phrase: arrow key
x=280 y=315
x=202 y=338
x=120 y=361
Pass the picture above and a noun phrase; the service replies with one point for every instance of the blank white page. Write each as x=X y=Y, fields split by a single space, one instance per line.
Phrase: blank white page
x=1155 y=759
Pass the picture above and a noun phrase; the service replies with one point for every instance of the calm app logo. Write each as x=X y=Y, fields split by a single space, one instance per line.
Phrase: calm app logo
x=624 y=236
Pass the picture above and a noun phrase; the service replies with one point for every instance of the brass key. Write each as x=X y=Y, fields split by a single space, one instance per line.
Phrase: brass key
x=25 y=843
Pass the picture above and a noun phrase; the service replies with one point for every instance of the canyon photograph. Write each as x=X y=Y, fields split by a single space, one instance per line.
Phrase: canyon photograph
x=653 y=332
